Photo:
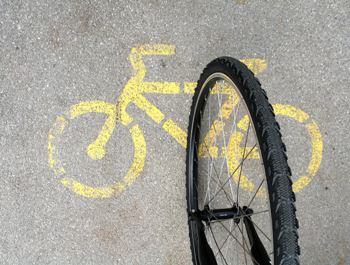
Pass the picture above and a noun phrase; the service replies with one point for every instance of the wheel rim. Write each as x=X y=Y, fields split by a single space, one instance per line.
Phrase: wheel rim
x=226 y=172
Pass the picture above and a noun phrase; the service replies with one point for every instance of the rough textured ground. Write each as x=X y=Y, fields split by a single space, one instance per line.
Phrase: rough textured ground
x=58 y=53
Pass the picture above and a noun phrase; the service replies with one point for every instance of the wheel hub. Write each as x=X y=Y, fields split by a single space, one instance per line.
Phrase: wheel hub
x=236 y=212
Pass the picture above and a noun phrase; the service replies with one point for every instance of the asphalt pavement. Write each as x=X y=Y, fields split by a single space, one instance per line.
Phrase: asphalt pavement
x=57 y=54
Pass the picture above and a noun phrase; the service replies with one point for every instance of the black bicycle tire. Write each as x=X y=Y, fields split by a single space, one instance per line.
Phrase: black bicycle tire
x=273 y=150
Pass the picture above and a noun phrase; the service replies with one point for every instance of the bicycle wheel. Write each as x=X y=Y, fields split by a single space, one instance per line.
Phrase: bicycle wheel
x=240 y=203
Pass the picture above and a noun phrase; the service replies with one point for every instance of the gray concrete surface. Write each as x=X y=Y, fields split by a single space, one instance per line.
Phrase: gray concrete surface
x=57 y=53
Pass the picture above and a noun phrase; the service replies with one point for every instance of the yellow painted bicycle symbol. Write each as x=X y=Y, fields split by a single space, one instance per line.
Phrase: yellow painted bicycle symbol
x=133 y=92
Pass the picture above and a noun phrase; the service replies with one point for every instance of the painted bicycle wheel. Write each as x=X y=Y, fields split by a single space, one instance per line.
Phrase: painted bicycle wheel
x=241 y=207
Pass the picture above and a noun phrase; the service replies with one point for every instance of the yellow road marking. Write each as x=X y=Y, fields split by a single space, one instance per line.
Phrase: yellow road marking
x=189 y=87
x=161 y=87
x=290 y=111
x=92 y=192
x=139 y=155
x=97 y=149
x=175 y=131
x=316 y=156
x=233 y=161
x=57 y=128
x=137 y=53
x=132 y=93
x=133 y=90
x=244 y=123
x=317 y=148
x=301 y=182
x=153 y=49
x=228 y=106
x=207 y=148
x=151 y=110
x=316 y=141
x=114 y=189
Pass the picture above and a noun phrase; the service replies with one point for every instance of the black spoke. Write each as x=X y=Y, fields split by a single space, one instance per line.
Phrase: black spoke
x=212 y=162
x=239 y=243
x=225 y=182
x=258 y=250
x=216 y=243
x=255 y=225
x=223 y=136
x=256 y=192
x=244 y=242
x=223 y=243
x=218 y=177
x=240 y=172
